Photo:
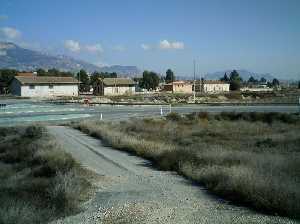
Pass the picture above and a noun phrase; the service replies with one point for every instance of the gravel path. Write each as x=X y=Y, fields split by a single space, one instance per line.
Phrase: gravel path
x=132 y=191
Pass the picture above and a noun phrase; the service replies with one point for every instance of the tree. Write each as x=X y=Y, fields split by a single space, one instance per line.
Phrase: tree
x=6 y=76
x=235 y=80
x=41 y=72
x=263 y=80
x=53 y=72
x=84 y=79
x=275 y=82
x=299 y=85
x=149 y=81
x=224 y=78
x=252 y=80
x=170 y=77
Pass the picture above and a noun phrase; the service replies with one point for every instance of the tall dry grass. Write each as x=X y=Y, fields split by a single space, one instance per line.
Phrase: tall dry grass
x=39 y=181
x=248 y=158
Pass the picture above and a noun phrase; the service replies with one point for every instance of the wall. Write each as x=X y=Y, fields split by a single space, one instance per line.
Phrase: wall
x=45 y=91
x=119 y=90
x=183 y=88
x=216 y=88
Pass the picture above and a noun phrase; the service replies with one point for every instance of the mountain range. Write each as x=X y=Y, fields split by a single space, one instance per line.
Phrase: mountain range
x=13 y=56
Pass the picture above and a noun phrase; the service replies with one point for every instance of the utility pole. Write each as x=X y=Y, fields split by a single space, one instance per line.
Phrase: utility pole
x=194 y=81
x=78 y=85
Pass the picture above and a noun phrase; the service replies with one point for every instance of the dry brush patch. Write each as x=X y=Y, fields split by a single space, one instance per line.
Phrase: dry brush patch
x=39 y=181
x=248 y=158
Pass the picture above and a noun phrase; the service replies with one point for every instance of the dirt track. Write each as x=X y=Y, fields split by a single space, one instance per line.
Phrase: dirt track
x=132 y=191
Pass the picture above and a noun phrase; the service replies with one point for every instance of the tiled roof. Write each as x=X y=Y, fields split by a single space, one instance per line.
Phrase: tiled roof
x=46 y=80
x=117 y=81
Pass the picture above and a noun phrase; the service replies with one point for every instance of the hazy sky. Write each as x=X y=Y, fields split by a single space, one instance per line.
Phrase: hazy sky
x=258 y=35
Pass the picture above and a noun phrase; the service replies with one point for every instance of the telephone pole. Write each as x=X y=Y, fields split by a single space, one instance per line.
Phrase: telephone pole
x=194 y=81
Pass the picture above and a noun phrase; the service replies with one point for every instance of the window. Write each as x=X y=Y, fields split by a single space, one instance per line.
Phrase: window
x=31 y=87
x=50 y=86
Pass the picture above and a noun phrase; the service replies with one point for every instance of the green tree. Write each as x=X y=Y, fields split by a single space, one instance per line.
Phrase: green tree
x=149 y=81
x=299 y=85
x=262 y=80
x=235 y=80
x=252 y=80
x=41 y=72
x=53 y=72
x=6 y=76
x=275 y=82
x=83 y=77
x=224 y=78
x=170 y=77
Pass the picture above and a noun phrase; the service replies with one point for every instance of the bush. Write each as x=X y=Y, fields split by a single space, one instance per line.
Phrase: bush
x=39 y=181
x=173 y=116
x=34 y=132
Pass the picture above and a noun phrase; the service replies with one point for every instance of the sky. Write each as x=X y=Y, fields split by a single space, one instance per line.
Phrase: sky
x=261 y=36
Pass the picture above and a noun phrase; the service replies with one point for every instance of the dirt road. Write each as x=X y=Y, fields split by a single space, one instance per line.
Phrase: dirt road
x=132 y=191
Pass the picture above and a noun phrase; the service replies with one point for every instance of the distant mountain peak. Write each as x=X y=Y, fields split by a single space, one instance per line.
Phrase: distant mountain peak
x=15 y=57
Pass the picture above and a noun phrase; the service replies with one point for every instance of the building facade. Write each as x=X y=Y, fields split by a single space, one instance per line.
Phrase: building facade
x=179 y=87
x=114 y=86
x=44 y=86
x=211 y=86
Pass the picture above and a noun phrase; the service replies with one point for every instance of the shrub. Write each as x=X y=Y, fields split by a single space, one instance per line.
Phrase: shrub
x=173 y=116
x=34 y=132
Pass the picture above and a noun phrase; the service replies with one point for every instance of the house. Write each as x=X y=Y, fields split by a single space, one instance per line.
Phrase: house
x=179 y=87
x=114 y=86
x=43 y=86
x=211 y=86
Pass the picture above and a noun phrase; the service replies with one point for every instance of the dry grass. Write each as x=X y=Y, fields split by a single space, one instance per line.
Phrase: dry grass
x=248 y=158
x=39 y=181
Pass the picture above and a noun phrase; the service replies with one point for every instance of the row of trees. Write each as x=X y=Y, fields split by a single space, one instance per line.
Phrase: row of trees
x=151 y=80
x=236 y=81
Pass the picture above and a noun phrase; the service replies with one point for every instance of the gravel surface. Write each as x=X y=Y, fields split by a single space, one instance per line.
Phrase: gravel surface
x=132 y=191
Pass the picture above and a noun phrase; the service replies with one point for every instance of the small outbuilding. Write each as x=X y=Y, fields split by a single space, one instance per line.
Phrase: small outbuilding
x=44 y=86
x=179 y=87
x=211 y=86
x=114 y=86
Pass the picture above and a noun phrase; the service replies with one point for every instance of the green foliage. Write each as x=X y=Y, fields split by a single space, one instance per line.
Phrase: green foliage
x=84 y=79
x=275 y=82
x=39 y=181
x=173 y=116
x=149 y=81
x=225 y=78
x=101 y=75
x=262 y=80
x=252 y=80
x=235 y=80
x=235 y=85
x=6 y=76
x=170 y=77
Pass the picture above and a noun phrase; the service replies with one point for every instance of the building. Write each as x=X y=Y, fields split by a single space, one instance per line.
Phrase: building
x=114 y=86
x=43 y=86
x=211 y=86
x=179 y=87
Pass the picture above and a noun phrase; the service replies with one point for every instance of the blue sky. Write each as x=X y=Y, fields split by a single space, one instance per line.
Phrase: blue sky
x=258 y=35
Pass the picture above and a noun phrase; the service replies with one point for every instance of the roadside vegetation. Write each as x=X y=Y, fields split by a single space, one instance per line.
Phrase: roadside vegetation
x=248 y=158
x=39 y=181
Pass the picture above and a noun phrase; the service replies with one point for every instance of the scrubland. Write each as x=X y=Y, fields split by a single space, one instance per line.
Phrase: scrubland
x=39 y=181
x=251 y=159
